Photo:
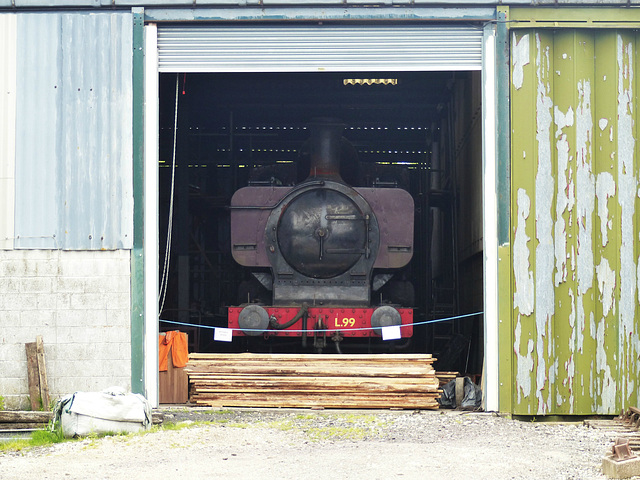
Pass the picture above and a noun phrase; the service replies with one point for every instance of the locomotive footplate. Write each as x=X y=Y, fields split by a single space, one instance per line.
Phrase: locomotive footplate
x=350 y=322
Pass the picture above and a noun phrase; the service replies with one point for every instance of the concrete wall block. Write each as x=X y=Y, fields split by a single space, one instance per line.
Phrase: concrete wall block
x=82 y=335
x=10 y=352
x=9 y=318
x=17 y=402
x=94 y=368
x=37 y=266
x=77 y=267
x=17 y=301
x=12 y=386
x=61 y=386
x=93 y=284
x=104 y=266
x=116 y=334
x=122 y=284
x=90 y=301
x=124 y=351
x=119 y=301
x=47 y=301
x=118 y=318
x=36 y=285
x=12 y=267
x=38 y=318
x=81 y=352
x=97 y=384
x=82 y=318
x=122 y=368
x=69 y=285
x=112 y=266
x=32 y=256
x=27 y=334
x=104 y=284
x=9 y=285
x=63 y=301
x=71 y=352
x=45 y=267
x=13 y=368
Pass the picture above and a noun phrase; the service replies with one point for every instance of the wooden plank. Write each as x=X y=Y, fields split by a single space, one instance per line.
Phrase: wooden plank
x=42 y=373
x=330 y=380
x=173 y=384
x=239 y=357
x=24 y=417
x=22 y=426
x=328 y=402
x=316 y=370
x=32 y=376
x=356 y=385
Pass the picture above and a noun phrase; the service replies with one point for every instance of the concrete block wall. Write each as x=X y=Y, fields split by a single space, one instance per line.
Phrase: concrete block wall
x=79 y=301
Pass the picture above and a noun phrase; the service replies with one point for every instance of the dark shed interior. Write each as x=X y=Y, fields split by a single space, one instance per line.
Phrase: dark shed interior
x=420 y=131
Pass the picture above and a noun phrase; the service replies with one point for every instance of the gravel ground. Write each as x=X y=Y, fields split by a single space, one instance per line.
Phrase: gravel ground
x=295 y=444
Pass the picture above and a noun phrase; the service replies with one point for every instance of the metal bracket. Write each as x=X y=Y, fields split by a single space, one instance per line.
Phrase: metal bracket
x=621 y=450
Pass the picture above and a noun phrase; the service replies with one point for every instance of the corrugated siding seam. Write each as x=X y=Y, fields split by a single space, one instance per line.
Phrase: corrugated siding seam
x=74 y=142
x=319 y=48
x=7 y=127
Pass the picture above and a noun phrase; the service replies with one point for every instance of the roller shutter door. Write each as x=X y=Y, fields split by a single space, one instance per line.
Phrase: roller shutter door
x=319 y=48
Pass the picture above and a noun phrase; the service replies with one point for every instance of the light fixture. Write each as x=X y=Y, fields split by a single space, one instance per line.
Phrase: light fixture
x=370 y=81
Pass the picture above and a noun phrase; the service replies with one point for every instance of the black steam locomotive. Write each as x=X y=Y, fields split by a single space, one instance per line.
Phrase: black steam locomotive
x=322 y=249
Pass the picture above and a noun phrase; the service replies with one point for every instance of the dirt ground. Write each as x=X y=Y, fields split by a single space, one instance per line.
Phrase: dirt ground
x=307 y=444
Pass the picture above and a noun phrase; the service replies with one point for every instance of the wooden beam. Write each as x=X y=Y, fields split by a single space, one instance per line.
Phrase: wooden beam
x=42 y=373
x=32 y=376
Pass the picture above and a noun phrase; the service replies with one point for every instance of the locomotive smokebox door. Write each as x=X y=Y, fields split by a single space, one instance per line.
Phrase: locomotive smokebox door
x=324 y=243
x=322 y=233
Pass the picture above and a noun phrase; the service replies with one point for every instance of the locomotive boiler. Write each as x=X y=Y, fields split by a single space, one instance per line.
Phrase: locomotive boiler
x=323 y=249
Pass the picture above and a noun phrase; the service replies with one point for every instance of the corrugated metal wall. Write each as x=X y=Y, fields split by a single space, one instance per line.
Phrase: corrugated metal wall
x=187 y=4
x=73 y=124
x=7 y=126
x=574 y=219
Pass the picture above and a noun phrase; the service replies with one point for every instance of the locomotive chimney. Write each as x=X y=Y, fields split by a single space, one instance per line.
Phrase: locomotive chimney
x=324 y=149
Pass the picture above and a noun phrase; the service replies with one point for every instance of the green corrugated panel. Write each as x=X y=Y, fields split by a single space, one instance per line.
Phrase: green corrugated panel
x=605 y=374
x=575 y=217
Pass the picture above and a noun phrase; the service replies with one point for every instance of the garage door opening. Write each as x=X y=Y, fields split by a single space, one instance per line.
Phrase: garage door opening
x=417 y=131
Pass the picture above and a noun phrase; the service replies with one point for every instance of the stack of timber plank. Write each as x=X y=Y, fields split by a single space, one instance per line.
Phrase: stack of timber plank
x=313 y=381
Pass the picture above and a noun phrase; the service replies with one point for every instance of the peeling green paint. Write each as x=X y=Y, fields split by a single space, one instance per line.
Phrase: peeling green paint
x=574 y=221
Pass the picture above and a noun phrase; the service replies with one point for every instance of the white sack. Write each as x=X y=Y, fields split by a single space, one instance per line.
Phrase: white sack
x=110 y=411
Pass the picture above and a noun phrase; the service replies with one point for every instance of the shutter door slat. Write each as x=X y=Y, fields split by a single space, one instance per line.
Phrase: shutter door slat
x=318 y=48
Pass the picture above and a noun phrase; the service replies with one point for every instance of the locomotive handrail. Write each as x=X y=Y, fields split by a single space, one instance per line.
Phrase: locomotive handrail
x=276 y=205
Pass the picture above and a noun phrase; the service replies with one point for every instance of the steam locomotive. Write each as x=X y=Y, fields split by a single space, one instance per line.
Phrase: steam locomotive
x=323 y=250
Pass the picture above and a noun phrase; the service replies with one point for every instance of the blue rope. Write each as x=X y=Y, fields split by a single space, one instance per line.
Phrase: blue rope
x=327 y=330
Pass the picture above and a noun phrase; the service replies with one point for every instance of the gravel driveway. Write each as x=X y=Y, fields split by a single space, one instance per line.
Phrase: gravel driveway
x=306 y=444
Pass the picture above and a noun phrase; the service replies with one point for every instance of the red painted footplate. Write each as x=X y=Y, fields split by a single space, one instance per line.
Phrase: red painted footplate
x=350 y=322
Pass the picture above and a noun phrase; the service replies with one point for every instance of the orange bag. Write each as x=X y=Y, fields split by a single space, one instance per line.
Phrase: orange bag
x=176 y=341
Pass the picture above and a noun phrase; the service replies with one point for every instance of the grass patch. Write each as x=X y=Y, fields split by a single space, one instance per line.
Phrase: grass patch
x=340 y=427
x=337 y=433
x=218 y=412
x=39 y=438
x=306 y=416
